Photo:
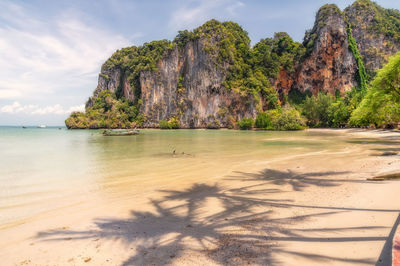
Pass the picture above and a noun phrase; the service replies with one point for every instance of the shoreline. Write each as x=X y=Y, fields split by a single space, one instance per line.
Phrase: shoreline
x=236 y=129
x=289 y=210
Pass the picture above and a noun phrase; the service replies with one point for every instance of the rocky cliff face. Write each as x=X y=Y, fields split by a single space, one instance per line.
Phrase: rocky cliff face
x=329 y=65
x=187 y=84
x=376 y=31
x=210 y=77
x=113 y=80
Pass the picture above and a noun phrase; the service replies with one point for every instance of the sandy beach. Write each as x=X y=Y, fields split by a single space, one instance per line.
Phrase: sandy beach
x=314 y=208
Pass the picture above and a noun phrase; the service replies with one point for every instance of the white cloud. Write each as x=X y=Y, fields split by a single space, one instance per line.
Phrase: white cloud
x=32 y=109
x=40 y=57
x=196 y=12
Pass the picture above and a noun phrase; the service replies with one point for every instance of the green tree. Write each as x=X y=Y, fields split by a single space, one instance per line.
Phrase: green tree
x=338 y=113
x=381 y=105
x=287 y=119
x=264 y=121
x=246 y=123
x=315 y=109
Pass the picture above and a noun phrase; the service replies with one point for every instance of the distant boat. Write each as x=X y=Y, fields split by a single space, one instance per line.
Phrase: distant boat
x=42 y=126
x=24 y=127
x=120 y=132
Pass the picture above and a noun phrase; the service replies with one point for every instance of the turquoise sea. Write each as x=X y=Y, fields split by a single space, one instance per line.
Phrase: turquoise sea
x=42 y=170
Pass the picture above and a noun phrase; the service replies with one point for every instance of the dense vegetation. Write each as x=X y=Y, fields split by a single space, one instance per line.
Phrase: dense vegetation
x=381 y=106
x=324 y=110
x=246 y=123
x=107 y=112
x=285 y=118
x=386 y=21
x=362 y=74
x=172 y=123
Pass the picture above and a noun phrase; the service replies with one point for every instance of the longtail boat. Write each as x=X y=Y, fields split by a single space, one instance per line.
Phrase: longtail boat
x=120 y=132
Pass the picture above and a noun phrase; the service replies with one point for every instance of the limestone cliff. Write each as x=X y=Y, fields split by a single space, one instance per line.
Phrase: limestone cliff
x=376 y=31
x=329 y=66
x=210 y=77
x=187 y=82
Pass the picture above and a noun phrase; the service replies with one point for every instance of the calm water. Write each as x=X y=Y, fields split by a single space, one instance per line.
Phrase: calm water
x=46 y=169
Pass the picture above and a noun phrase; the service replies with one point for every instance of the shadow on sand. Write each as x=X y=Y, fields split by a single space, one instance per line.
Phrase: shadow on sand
x=242 y=230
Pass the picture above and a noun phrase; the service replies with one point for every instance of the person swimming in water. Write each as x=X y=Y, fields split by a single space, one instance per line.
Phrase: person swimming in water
x=183 y=153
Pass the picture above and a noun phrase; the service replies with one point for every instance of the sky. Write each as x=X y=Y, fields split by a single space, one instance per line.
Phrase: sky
x=51 y=51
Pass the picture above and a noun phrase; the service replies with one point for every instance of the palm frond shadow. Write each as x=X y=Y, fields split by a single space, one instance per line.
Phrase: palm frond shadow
x=296 y=180
x=238 y=233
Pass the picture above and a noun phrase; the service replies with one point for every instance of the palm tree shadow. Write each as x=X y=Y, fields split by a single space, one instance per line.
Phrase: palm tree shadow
x=296 y=180
x=238 y=233
x=163 y=235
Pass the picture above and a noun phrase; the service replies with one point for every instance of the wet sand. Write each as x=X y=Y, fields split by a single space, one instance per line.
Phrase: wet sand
x=315 y=208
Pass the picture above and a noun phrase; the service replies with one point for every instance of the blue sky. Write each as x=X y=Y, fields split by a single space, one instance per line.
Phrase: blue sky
x=51 y=51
